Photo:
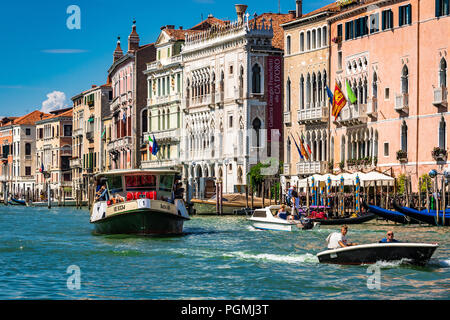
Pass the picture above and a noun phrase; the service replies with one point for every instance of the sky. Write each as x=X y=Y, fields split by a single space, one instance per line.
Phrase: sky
x=45 y=63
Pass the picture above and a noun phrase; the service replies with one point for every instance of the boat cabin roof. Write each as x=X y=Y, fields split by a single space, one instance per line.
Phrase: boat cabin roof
x=136 y=172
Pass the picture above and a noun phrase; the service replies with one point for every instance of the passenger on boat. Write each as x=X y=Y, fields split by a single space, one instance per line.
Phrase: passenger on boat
x=294 y=201
x=338 y=240
x=281 y=211
x=102 y=194
x=118 y=198
x=389 y=238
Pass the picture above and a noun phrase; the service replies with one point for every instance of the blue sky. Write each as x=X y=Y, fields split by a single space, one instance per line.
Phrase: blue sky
x=42 y=57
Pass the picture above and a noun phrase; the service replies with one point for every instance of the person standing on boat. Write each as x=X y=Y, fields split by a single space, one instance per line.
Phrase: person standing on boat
x=389 y=238
x=338 y=240
x=294 y=197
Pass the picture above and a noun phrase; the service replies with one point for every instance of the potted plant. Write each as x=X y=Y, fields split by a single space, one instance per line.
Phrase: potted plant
x=439 y=154
x=341 y=165
x=337 y=39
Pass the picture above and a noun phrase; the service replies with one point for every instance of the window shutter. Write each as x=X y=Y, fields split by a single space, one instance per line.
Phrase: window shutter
x=437 y=7
x=383 y=20
x=408 y=14
x=400 y=16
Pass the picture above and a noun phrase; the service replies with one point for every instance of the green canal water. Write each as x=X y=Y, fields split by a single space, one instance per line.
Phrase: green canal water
x=216 y=258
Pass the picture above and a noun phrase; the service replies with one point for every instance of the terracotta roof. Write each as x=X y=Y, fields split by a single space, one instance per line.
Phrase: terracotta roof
x=178 y=34
x=31 y=118
x=277 y=20
x=6 y=121
x=208 y=23
x=333 y=7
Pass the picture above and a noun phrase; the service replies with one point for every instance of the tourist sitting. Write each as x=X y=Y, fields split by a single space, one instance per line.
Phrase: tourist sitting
x=118 y=198
x=281 y=211
x=338 y=240
x=389 y=238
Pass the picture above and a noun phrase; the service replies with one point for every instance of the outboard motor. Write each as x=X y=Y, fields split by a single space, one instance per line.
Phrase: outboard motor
x=307 y=224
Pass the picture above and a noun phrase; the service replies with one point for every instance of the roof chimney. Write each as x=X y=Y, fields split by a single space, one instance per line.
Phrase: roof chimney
x=133 y=38
x=118 y=53
x=240 y=11
x=298 y=8
x=293 y=14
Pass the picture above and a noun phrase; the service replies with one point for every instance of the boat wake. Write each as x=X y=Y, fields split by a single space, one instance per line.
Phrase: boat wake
x=295 y=259
x=441 y=263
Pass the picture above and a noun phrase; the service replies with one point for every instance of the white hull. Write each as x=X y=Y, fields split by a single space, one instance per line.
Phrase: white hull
x=274 y=226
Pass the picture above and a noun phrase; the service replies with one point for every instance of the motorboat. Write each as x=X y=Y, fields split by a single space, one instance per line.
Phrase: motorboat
x=266 y=219
x=431 y=217
x=17 y=202
x=411 y=253
x=139 y=202
x=390 y=215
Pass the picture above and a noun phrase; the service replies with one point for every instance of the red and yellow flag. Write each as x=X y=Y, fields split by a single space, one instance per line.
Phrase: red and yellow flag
x=339 y=101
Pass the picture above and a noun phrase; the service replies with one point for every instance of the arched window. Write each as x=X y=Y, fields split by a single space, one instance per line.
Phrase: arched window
x=144 y=121
x=288 y=95
x=302 y=93
x=319 y=38
x=313 y=38
x=443 y=73
x=442 y=133
x=324 y=36
x=257 y=126
x=288 y=150
x=404 y=136
x=256 y=79
x=405 y=86
x=308 y=40
x=288 y=45
x=302 y=42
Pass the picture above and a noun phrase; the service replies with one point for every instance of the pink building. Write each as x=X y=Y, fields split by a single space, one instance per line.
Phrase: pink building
x=129 y=86
x=394 y=55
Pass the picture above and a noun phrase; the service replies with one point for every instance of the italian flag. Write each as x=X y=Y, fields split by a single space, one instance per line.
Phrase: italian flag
x=150 y=145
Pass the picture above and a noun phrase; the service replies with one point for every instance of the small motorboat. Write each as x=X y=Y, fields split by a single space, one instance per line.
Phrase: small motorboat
x=426 y=216
x=390 y=215
x=411 y=253
x=264 y=219
x=18 y=202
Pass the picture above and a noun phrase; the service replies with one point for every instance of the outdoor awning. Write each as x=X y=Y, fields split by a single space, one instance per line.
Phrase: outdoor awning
x=349 y=178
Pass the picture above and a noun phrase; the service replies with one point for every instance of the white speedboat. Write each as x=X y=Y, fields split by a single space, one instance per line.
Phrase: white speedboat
x=412 y=253
x=265 y=219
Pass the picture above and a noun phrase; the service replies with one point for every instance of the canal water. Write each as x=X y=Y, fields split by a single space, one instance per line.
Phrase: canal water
x=41 y=251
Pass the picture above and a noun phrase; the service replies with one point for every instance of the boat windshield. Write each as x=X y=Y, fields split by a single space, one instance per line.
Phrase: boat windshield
x=142 y=182
x=115 y=184
x=166 y=182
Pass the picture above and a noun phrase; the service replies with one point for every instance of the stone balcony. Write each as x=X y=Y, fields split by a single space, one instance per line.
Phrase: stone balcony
x=239 y=94
x=199 y=101
x=157 y=164
x=402 y=103
x=311 y=167
x=372 y=107
x=313 y=115
x=165 y=135
x=287 y=169
x=353 y=115
x=219 y=97
x=287 y=118
x=120 y=143
x=440 y=97
x=172 y=98
x=75 y=163
x=77 y=132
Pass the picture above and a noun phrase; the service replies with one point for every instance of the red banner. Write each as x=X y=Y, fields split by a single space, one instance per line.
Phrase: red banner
x=274 y=94
x=339 y=101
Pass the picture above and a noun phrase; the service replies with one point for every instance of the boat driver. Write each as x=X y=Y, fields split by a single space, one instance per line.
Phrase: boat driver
x=338 y=240
x=389 y=237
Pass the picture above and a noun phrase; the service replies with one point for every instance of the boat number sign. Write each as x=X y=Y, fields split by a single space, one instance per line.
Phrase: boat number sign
x=119 y=208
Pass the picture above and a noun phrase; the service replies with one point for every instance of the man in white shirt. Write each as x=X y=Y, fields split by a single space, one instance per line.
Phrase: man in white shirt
x=339 y=240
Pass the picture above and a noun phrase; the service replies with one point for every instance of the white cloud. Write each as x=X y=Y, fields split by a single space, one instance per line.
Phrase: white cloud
x=64 y=51
x=55 y=100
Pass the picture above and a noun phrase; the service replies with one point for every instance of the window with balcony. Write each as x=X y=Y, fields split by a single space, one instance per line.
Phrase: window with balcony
x=442 y=7
x=404 y=137
x=302 y=93
x=404 y=80
x=256 y=78
x=442 y=133
x=443 y=73
x=288 y=95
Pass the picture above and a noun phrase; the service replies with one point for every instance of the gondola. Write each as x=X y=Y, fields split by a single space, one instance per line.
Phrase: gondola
x=390 y=215
x=426 y=216
x=349 y=220
x=411 y=253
